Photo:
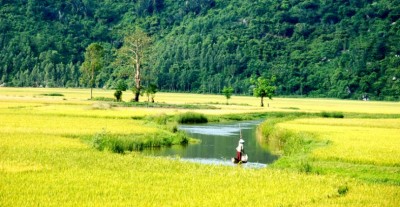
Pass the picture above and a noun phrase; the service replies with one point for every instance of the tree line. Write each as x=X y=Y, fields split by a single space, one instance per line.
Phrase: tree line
x=315 y=48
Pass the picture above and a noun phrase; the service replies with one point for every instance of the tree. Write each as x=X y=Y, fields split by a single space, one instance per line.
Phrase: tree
x=92 y=64
x=150 y=92
x=227 y=91
x=120 y=86
x=118 y=95
x=263 y=88
x=132 y=55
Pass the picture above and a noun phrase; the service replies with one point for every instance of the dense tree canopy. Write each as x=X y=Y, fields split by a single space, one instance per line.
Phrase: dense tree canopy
x=318 y=48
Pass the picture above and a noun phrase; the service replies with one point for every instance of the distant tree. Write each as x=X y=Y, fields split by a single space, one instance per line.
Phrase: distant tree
x=150 y=92
x=132 y=54
x=227 y=91
x=118 y=95
x=263 y=87
x=92 y=64
x=120 y=86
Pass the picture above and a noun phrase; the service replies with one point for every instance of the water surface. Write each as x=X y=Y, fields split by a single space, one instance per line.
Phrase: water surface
x=218 y=143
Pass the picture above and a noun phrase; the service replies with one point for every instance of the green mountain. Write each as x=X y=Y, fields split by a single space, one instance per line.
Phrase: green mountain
x=316 y=48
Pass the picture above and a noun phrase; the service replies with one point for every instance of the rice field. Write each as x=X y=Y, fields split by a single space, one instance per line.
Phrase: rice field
x=364 y=141
x=43 y=162
x=238 y=104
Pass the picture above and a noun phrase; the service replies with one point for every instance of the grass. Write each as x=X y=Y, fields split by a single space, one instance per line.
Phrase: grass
x=191 y=118
x=57 y=152
x=103 y=99
x=355 y=140
x=120 y=143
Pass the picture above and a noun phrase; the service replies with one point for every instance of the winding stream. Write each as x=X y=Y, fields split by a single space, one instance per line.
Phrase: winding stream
x=218 y=143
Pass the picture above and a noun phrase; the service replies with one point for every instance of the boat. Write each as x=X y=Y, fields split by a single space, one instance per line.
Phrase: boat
x=237 y=161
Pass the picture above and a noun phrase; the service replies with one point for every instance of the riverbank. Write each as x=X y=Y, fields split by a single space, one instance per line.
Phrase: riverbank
x=361 y=148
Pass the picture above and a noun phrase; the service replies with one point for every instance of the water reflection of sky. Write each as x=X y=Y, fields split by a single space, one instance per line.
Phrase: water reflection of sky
x=210 y=130
x=218 y=129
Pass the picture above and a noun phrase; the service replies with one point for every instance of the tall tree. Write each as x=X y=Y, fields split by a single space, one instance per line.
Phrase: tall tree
x=92 y=64
x=263 y=87
x=132 y=55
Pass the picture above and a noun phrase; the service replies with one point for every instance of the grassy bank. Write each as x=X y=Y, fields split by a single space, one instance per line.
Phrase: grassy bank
x=366 y=149
x=120 y=143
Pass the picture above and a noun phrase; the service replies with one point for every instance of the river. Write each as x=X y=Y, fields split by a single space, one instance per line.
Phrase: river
x=218 y=143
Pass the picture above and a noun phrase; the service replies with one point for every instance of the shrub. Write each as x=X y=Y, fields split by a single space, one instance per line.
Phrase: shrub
x=332 y=114
x=137 y=117
x=118 y=95
x=343 y=190
x=52 y=94
x=236 y=117
x=182 y=139
x=191 y=118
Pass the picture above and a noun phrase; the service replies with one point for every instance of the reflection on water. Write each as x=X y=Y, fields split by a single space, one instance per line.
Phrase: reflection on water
x=219 y=129
x=223 y=162
x=218 y=143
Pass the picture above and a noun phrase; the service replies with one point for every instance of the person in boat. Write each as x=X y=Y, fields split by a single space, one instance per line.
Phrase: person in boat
x=240 y=150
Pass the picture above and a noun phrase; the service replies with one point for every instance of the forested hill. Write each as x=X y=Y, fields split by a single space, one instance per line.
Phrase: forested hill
x=318 y=48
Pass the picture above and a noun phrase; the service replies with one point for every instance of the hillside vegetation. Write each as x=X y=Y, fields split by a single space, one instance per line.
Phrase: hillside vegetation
x=319 y=48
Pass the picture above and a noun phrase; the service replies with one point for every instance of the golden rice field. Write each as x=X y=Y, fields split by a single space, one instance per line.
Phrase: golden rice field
x=44 y=163
x=365 y=141
x=238 y=104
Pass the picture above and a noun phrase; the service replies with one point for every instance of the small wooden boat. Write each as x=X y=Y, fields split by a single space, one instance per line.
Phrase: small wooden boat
x=244 y=159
